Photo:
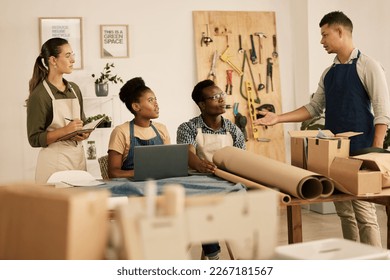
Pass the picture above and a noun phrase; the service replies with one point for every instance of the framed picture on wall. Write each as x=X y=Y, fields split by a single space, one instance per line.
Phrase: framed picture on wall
x=114 y=41
x=69 y=28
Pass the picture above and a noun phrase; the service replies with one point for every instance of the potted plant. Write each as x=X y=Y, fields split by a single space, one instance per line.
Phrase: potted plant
x=101 y=82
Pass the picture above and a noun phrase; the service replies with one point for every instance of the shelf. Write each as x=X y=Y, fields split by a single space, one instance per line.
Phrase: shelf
x=101 y=98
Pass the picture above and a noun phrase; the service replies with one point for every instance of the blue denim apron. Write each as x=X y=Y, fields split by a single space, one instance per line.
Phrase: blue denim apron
x=348 y=106
x=128 y=164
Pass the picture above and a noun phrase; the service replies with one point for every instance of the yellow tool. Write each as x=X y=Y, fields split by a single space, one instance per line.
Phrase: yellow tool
x=252 y=112
x=251 y=108
x=225 y=57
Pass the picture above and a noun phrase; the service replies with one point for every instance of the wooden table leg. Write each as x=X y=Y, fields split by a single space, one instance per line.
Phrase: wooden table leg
x=388 y=225
x=294 y=224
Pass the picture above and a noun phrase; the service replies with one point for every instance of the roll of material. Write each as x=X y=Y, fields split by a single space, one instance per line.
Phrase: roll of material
x=287 y=178
x=327 y=186
x=284 y=198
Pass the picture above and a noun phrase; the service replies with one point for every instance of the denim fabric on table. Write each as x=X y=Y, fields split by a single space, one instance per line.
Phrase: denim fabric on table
x=194 y=184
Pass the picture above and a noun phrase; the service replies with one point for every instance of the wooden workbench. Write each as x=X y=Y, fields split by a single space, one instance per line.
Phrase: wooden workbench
x=294 y=216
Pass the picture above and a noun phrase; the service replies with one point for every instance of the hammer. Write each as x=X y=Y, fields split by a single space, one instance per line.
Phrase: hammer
x=261 y=35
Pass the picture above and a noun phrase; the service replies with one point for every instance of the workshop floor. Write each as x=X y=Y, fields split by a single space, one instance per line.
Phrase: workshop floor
x=314 y=226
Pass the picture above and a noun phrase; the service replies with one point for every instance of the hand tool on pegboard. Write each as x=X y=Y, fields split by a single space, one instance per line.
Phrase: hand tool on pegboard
x=269 y=75
x=206 y=39
x=251 y=108
x=225 y=57
x=253 y=51
x=212 y=74
x=257 y=99
x=265 y=107
x=245 y=57
x=240 y=49
x=252 y=113
x=274 y=53
x=229 y=82
x=240 y=120
x=261 y=85
x=260 y=35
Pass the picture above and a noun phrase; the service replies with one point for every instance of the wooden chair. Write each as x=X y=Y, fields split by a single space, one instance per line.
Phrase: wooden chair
x=103 y=164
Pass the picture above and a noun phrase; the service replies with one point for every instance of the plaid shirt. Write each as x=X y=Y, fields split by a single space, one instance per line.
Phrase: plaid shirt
x=186 y=132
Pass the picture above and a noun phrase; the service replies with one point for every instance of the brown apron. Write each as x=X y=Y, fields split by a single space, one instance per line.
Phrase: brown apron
x=61 y=155
x=208 y=144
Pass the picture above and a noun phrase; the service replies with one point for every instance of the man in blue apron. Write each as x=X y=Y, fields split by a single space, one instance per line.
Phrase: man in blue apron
x=354 y=93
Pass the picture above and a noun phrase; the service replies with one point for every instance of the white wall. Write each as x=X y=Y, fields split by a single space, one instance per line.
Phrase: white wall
x=162 y=52
x=371 y=32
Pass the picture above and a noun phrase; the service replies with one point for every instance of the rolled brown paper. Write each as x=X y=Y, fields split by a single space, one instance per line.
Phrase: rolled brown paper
x=284 y=198
x=327 y=187
x=287 y=178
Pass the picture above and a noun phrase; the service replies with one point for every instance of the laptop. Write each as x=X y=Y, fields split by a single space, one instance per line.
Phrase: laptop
x=160 y=161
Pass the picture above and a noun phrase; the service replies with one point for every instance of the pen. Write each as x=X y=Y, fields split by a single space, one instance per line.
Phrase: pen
x=69 y=119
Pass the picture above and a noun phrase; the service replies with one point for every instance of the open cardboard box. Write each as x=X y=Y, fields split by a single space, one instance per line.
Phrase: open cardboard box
x=357 y=176
x=317 y=154
x=42 y=223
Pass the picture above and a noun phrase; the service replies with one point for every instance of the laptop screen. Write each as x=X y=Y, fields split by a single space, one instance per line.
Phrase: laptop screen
x=160 y=161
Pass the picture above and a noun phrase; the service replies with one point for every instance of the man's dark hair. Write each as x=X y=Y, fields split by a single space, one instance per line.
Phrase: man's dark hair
x=197 y=93
x=337 y=17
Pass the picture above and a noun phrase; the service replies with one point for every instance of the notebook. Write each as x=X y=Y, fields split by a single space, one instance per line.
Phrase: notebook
x=89 y=127
x=160 y=161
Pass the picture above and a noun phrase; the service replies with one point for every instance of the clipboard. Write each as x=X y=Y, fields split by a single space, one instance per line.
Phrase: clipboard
x=89 y=127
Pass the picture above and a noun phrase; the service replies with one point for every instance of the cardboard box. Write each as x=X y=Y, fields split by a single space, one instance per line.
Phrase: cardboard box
x=299 y=145
x=317 y=154
x=357 y=176
x=42 y=223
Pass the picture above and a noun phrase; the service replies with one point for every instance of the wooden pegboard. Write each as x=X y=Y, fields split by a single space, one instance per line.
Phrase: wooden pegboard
x=223 y=29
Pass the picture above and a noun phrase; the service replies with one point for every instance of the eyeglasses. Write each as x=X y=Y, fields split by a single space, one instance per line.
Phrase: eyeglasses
x=217 y=96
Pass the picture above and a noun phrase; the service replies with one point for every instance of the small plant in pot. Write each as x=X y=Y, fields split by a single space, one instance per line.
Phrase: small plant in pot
x=101 y=82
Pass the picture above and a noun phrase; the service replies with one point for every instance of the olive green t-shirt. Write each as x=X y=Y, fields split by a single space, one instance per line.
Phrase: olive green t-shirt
x=40 y=110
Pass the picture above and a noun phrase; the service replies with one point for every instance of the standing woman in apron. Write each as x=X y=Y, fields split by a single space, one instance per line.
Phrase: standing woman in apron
x=141 y=131
x=54 y=109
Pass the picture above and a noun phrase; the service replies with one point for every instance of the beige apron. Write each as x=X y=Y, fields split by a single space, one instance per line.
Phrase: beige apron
x=62 y=155
x=208 y=144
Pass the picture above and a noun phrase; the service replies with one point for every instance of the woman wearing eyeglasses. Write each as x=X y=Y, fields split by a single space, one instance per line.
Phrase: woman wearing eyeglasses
x=142 y=103
x=209 y=131
x=55 y=109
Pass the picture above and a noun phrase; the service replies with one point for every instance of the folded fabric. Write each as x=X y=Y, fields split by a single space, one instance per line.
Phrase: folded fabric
x=193 y=185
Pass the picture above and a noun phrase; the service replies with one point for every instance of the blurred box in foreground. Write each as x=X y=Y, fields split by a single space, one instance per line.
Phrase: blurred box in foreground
x=331 y=249
x=42 y=223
